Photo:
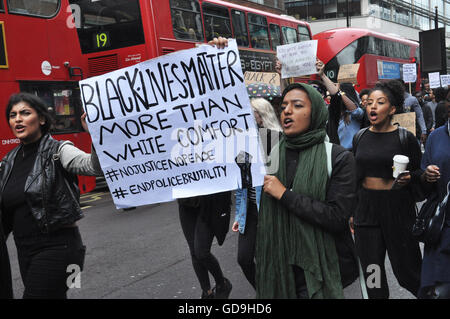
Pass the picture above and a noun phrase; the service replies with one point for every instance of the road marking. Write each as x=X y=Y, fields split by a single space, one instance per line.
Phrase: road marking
x=88 y=198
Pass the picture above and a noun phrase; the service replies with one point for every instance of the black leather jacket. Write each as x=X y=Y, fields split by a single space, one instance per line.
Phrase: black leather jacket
x=50 y=191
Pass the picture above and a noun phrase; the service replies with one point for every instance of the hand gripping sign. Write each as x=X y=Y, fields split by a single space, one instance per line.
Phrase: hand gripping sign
x=171 y=127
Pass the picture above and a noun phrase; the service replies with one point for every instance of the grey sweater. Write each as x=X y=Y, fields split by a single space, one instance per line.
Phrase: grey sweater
x=78 y=162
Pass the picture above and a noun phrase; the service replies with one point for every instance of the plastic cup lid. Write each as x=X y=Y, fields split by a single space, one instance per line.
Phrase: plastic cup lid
x=401 y=159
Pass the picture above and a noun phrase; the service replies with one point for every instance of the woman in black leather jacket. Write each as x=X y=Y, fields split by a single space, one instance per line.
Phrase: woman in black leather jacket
x=39 y=199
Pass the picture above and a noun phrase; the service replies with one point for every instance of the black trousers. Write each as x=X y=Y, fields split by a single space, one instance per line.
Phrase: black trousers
x=5 y=269
x=247 y=245
x=383 y=222
x=199 y=237
x=44 y=262
x=405 y=257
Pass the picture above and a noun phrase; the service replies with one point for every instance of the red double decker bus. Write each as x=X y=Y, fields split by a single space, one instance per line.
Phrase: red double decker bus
x=47 y=46
x=118 y=34
x=380 y=56
x=35 y=43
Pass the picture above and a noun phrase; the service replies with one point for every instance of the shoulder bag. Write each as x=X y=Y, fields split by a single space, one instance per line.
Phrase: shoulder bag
x=430 y=219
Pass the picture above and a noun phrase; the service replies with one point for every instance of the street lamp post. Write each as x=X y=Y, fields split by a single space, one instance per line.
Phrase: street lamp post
x=348 y=13
x=436 y=24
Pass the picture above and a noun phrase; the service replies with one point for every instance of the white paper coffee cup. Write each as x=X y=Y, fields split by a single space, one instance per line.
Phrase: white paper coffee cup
x=400 y=164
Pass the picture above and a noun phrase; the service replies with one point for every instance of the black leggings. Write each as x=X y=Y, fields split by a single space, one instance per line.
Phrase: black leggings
x=247 y=245
x=44 y=261
x=199 y=237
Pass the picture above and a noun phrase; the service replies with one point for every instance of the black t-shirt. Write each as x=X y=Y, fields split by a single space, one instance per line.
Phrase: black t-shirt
x=376 y=150
x=17 y=214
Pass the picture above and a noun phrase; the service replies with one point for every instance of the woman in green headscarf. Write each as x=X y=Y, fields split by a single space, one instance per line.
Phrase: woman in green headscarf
x=304 y=247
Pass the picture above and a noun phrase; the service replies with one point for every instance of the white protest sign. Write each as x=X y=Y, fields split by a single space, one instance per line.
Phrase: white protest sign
x=297 y=59
x=409 y=72
x=434 y=79
x=172 y=127
x=445 y=80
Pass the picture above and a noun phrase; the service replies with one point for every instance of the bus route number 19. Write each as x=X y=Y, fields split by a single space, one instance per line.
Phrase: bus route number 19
x=102 y=40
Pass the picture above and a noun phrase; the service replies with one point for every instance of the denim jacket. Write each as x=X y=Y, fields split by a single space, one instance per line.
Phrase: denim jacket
x=241 y=205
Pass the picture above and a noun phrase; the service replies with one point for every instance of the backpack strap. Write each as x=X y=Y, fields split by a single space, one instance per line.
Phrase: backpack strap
x=328 y=149
x=357 y=138
x=403 y=134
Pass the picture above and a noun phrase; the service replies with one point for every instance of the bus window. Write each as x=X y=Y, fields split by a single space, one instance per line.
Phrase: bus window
x=404 y=51
x=105 y=25
x=289 y=35
x=217 y=21
x=40 y=8
x=349 y=55
x=365 y=45
x=186 y=20
x=64 y=103
x=2 y=9
x=387 y=48
x=258 y=31
x=240 y=28
x=275 y=36
x=303 y=33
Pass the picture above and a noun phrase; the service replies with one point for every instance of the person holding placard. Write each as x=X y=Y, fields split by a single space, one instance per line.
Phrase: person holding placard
x=385 y=212
x=412 y=105
x=39 y=198
x=345 y=115
x=304 y=247
x=202 y=218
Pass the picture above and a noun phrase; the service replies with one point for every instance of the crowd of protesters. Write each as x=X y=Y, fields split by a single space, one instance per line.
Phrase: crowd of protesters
x=335 y=149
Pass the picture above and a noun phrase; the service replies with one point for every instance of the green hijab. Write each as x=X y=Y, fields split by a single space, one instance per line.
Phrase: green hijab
x=283 y=239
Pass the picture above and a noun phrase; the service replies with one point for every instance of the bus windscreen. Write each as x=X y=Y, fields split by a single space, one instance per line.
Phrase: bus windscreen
x=104 y=25
x=366 y=45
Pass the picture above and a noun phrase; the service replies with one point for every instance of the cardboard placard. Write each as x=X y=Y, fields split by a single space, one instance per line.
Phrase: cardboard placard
x=348 y=73
x=271 y=78
x=406 y=120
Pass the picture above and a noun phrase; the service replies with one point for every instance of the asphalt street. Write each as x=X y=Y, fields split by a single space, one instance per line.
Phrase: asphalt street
x=142 y=254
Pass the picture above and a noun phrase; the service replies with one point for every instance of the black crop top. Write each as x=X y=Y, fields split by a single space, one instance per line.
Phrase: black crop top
x=375 y=153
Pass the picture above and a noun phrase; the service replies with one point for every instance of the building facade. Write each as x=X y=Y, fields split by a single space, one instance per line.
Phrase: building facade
x=402 y=18
x=274 y=6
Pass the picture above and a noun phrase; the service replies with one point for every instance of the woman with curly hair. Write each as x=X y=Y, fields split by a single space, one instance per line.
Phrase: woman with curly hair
x=385 y=214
